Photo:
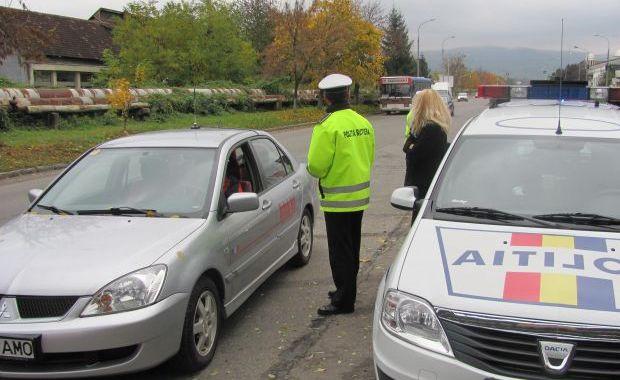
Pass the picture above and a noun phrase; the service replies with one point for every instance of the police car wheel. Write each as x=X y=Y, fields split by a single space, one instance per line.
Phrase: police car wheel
x=305 y=239
x=201 y=330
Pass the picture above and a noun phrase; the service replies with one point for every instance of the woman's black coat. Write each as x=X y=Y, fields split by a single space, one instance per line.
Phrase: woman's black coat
x=425 y=156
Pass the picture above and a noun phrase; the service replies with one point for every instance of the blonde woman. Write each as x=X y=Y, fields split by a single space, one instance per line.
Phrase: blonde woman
x=428 y=141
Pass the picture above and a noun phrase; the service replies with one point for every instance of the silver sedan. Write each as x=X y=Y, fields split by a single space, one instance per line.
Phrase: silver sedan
x=136 y=252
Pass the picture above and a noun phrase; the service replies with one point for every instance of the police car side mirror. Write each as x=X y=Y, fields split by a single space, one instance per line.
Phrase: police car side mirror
x=404 y=198
x=242 y=202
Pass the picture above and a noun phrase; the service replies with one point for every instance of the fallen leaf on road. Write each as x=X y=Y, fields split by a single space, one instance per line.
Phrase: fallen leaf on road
x=271 y=376
x=320 y=370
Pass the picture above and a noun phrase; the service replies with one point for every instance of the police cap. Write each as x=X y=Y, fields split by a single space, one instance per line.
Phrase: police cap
x=335 y=82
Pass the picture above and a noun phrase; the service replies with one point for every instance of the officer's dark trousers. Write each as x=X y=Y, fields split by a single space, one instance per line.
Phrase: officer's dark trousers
x=344 y=234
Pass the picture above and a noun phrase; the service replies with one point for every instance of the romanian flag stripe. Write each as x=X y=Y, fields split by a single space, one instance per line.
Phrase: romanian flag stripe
x=560 y=289
x=557 y=241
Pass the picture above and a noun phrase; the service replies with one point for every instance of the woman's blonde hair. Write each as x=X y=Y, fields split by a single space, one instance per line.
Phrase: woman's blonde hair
x=428 y=107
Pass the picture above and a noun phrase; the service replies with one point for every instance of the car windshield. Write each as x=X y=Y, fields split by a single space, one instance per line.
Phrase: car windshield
x=396 y=90
x=533 y=176
x=168 y=181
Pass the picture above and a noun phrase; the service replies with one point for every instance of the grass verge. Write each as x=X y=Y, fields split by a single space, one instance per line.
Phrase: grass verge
x=23 y=147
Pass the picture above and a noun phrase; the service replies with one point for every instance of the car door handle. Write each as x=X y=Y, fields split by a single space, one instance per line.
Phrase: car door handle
x=296 y=184
x=266 y=204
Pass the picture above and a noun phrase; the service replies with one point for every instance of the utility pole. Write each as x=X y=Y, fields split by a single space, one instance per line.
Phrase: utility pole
x=606 y=62
x=585 y=61
x=443 y=59
x=419 y=26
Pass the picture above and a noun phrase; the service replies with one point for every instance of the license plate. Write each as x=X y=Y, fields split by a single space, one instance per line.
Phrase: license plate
x=17 y=348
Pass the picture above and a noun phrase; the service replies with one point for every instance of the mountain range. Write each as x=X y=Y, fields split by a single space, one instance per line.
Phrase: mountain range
x=519 y=63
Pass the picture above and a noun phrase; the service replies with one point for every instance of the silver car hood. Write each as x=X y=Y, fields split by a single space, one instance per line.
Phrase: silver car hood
x=77 y=255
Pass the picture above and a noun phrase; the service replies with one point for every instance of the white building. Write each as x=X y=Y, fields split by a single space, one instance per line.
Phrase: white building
x=596 y=71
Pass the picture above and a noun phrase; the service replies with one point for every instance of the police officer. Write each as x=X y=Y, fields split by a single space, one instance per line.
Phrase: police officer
x=341 y=155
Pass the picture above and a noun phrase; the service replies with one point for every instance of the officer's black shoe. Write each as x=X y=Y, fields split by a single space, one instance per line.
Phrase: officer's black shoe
x=330 y=309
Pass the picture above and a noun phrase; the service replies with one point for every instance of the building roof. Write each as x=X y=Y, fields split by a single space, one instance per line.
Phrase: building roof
x=540 y=118
x=71 y=38
x=179 y=138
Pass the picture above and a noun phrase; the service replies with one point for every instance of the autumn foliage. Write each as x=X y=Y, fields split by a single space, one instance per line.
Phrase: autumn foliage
x=327 y=36
x=120 y=99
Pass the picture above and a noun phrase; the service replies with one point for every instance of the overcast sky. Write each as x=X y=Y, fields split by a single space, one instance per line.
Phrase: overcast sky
x=507 y=23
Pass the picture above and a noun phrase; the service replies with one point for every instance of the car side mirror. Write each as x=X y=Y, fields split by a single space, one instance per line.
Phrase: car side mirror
x=33 y=194
x=404 y=198
x=242 y=202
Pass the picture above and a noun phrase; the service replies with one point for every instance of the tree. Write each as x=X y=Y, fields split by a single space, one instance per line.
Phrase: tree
x=348 y=42
x=120 y=99
x=396 y=46
x=256 y=20
x=329 y=36
x=181 y=43
x=571 y=72
x=292 y=52
x=372 y=11
x=19 y=37
x=455 y=65
x=423 y=67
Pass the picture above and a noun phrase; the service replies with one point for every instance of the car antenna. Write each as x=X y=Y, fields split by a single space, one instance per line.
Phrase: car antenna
x=195 y=125
x=558 y=131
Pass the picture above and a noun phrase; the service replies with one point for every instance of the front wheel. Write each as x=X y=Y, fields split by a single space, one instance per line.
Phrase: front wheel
x=201 y=330
x=305 y=239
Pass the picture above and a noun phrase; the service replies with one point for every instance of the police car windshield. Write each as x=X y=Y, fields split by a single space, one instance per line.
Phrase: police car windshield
x=533 y=175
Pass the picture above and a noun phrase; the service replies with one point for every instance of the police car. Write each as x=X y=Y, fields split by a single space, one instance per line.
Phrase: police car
x=511 y=268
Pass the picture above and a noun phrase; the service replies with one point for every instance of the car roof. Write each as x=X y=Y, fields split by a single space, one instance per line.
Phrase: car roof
x=540 y=118
x=180 y=138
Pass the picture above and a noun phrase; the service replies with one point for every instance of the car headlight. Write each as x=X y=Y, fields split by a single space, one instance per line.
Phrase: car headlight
x=414 y=320
x=130 y=292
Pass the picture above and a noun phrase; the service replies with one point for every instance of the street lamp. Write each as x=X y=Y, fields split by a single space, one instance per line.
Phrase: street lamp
x=607 y=62
x=585 y=61
x=419 y=26
x=443 y=60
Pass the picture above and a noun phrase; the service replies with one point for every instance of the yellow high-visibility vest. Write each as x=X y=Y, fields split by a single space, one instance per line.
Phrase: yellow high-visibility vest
x=341 y=155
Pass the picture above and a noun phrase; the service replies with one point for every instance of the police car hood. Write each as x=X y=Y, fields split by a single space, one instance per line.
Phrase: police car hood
x=546 y=274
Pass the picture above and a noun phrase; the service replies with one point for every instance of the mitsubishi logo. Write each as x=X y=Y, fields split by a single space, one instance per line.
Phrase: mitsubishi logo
x=556 y=356
x=4 y=311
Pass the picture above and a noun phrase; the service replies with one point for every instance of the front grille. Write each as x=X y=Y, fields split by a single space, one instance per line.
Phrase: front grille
x=44 y=307
x=515 y=354
x=70 y=361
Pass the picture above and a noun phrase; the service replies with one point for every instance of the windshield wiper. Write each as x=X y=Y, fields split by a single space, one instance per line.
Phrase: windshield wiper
x=491 y=214
x=120 y=211
x=54 y=209
x=580 y=218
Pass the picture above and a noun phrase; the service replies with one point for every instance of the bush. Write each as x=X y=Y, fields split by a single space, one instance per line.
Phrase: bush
x=162 y=106
x=5 y=120
x=109 y=118
x=277 y=86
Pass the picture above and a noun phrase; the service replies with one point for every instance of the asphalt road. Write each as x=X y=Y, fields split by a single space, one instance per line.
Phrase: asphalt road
x=276 y=333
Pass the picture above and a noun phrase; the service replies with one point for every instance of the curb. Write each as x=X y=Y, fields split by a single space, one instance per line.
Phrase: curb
x=37 y=169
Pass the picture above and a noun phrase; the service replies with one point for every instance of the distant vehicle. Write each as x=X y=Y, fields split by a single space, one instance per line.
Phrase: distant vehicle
x=141 y=248
x=396 y=92
x=462 y=97
x=442 y=87
x=511 y=268
x=447 y=98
